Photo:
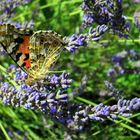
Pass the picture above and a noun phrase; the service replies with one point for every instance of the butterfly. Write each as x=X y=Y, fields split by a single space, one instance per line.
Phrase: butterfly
x=34 y=52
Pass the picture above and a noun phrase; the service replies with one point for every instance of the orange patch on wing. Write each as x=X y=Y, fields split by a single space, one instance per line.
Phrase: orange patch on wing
x=28 y=64
x=24 y=49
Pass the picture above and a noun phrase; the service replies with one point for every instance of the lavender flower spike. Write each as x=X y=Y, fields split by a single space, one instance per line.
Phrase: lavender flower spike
x=105 y=12
x=51 y=97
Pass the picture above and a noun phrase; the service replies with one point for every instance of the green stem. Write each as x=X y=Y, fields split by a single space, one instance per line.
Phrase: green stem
x=123 y=40
x=128 y=127
x=4 y=132
x=130 y=18
x=85 y=101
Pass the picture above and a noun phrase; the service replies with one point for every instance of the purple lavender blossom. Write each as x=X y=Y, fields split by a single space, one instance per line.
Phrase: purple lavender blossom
x=85 y=114
x=96 y=34
x=50 y=95
x=31 y=97
x=107 y=12
x=56 y=102
x=7 y=9
x=119 y=63
x=112 y=89
x=75 y=41
x=111 y=72
x=7 y=12
x=108 y=17
x=116 y=59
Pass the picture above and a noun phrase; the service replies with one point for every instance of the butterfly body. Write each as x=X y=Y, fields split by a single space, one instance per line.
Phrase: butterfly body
x=34 y=52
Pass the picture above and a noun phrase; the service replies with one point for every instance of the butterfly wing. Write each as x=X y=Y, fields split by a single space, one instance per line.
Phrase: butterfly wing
x=35 y=52
x=16 y=42
x=45 y=48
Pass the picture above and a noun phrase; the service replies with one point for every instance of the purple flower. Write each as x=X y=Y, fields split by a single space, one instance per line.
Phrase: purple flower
x=88 y=19
x=108 y=17
x=75 y=41
x=78 y=40
x=8 y=8
x=4 y=87
x=56 y=102
x=116 y=59
x=111 y=72
x=121 y=59
x=105 y=111
x=95 y=34
x=54 y=79
x=107 y=12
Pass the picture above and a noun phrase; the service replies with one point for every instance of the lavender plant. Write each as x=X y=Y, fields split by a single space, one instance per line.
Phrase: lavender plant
x=8 y=8
x=106 y=15
x=120 y=60
x=54 y=95
x=50 y=96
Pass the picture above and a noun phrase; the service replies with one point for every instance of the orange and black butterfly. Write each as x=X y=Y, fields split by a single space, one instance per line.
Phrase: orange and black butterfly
x=34 y=52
